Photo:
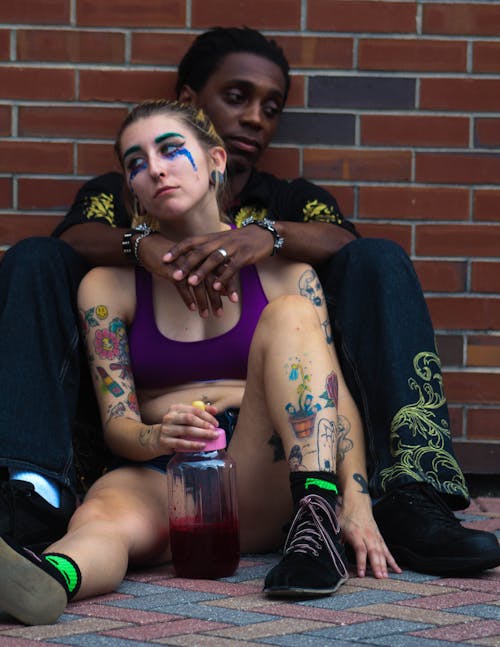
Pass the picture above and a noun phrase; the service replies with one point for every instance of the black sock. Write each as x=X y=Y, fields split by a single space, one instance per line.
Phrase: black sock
x=322 y=483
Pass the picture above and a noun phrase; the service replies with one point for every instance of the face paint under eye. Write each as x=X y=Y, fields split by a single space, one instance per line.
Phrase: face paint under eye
x=137 y=169
x=182 y=151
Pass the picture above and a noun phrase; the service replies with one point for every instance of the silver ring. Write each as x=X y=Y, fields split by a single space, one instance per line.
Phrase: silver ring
x=222 y=252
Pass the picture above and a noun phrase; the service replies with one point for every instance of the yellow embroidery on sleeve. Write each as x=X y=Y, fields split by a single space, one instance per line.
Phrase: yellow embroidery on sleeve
x=315 y=210
x=100 y=207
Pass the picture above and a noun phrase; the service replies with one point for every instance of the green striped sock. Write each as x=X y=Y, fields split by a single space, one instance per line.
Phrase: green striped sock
x=70 y=575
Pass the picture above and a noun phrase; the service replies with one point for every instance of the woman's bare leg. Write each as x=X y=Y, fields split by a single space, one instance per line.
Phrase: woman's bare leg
x=290 y=405
x=123 y=519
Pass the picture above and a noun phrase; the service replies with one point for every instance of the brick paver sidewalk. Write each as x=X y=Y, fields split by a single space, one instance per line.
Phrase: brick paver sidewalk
x=408 y=610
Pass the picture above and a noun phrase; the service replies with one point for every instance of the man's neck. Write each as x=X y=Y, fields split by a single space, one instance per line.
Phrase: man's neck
x=237 y=181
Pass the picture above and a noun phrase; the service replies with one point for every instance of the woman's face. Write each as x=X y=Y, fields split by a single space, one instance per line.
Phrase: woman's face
x=166 y=167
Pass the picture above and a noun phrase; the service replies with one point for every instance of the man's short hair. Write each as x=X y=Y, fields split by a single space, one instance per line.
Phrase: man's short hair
x=210 y=48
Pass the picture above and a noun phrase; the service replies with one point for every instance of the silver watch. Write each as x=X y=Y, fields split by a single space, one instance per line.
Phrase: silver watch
x=267 y=223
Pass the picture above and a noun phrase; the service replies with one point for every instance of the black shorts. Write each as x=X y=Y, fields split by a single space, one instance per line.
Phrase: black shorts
x=227 y=421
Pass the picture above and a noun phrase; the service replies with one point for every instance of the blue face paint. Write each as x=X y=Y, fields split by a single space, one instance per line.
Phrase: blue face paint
x=186 y=153
x=137 y=169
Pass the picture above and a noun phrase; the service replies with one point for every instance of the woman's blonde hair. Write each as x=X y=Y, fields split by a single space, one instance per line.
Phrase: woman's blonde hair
x=195 y=119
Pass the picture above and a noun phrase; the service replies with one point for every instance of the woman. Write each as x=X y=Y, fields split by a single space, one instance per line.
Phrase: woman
x=267 y=353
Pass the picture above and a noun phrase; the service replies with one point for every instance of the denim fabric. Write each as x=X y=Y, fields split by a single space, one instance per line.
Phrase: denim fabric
x=386 y=345
x=227 y=420
x=40 y=356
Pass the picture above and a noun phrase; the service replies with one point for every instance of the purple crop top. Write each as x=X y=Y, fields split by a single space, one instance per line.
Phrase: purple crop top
x=160 y=362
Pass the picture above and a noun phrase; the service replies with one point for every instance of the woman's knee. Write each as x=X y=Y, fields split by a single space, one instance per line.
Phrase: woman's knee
x=289 y=312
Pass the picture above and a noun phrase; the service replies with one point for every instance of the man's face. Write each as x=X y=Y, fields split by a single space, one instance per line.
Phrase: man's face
x=244 y=99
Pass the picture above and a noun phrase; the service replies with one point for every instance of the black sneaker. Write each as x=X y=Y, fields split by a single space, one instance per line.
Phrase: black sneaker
x=422 y=533
x=27 y=591
x=29 y=519
x=313 y=562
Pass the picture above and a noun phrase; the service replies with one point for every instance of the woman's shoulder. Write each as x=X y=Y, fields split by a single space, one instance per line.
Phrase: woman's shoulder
x=112 y=286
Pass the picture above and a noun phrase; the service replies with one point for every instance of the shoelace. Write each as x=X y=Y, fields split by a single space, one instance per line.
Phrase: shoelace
x=308 y=534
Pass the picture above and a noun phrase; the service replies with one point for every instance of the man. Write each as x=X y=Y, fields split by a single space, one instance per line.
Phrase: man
x=382 y=328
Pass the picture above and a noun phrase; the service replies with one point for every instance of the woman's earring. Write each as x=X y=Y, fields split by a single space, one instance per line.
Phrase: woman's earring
x=138 y=208
x=216 y=178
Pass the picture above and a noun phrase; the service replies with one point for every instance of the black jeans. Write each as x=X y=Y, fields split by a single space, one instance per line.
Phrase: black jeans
x=41 y=359
x=386 y=345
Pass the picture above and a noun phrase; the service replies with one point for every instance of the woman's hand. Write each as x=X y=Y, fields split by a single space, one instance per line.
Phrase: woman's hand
x=360 y=531
x=183 y=422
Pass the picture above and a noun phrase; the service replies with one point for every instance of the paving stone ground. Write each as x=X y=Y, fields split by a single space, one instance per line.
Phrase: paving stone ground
x=407 y=610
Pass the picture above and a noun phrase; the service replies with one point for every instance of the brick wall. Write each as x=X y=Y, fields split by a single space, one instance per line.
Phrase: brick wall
x=395 y=108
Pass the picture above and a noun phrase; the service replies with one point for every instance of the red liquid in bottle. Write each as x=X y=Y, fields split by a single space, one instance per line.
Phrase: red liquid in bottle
x=205 y=551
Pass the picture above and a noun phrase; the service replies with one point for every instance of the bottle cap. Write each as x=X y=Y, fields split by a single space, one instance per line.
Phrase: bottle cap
x=216 y=443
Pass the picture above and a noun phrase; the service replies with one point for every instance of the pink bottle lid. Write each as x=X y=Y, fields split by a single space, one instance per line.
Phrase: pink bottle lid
x=216 y=443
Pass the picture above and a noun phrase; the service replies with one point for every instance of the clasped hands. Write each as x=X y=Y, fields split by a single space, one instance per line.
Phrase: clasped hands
x=204 y=269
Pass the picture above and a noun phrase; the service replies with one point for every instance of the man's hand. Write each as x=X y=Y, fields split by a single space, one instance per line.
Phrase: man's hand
x=201 y=296
x=200 y=259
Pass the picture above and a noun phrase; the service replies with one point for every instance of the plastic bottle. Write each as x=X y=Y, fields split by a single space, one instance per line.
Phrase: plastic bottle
x=203 y=513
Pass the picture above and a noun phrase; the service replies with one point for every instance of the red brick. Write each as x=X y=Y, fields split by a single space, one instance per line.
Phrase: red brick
x=130 y=85
x=15 y=227
x=70 y=122
x=473 y=387
x=457 y=240
x=487 y=132
x=483 y=424
x=456 y=421
x=5 y=193
x=344 y=195
x=355 y=165
x=477 y=457
x=461 y=18
x=283 y=162
x=317 y=52
x=441 y=276
x=458 y=168
x=400 y=234
x=47 y=194
x=35 y=157
x=47 y=12
x=486 y=57
x=39 y=84
x=487 y=205
x=259 y=14
x=413 y=203
x=5 y=120
x=483 y=350
x=297 y=93
x=413 y=130
x=458 y=313
x=361 y=16
x=419 y=55
x=71 y=46
x=94 y=159
x=459 y=94
x=4 y=44
x=450 y=349
x=130 y=13
x=485 y=276
x=159 y=49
